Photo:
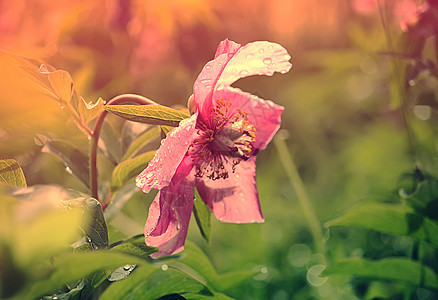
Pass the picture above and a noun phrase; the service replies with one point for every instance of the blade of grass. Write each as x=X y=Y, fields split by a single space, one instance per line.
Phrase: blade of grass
x=300 y=190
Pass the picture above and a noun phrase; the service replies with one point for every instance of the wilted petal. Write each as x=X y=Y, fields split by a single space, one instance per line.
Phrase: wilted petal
x=263 y=114
x=169 y=213
x=234 y=199
x=257 y=58
x=162 y=167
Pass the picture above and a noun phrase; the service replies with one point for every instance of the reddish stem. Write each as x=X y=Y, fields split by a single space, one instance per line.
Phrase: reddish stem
x=95 y=134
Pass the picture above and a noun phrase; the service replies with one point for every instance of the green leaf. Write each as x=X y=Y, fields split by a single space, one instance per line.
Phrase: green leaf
x=73 y=266
x=11 y=173
x=214 y=295
x=149 y=114
x=232 y=279
x=48 y=234
x=96 y=230
x=424 y=199
x=70 y=210
x=110 y=137
x=119 y=199
x=121 y=273
x=144 y=283
x=74 y=293
x=195 y=259
x=394 y=269
x=148 y=136
x=202 y=214
x=165 y=130
x=13 y=278
x=135 y=246
x=392 y=219
x=94 y=227
x=61 y=83
x=72 y=158
x=130 y=168
x=89 y=111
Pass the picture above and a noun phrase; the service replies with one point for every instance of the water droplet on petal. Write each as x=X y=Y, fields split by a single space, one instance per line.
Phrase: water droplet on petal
x=164 y=267
x=267 y=60
x=244 y=72
x=208 y=67
x=69 y=171
x=270 y=47
x=283 y=71
x=261 y=50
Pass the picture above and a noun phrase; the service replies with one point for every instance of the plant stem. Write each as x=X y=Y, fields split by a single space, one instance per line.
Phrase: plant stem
x=300 y=190
x=398 y=70
x=436 y=48
x=95 y=134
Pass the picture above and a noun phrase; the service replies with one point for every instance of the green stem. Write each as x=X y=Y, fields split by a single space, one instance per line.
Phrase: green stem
x=436 y=48
x=300 y=190
x=398 y=70
x=95 y=134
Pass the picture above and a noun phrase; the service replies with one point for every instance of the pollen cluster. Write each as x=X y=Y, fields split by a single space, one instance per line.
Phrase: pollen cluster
x=225 y=138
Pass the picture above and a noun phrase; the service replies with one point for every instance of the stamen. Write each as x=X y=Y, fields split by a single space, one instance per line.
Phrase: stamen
x=225 y=138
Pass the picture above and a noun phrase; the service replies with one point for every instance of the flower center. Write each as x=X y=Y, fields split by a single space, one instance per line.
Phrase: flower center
x=224 y=140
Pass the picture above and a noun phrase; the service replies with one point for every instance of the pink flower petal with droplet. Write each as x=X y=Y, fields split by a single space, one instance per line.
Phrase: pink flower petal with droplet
x=207 y=79
x=257 y=58
x=234 y=199
x=162 y=167
x=265 y=115
x=169 y=213
x=228 y=47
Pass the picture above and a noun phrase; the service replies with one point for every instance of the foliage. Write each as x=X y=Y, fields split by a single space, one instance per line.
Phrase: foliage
x=360 y=124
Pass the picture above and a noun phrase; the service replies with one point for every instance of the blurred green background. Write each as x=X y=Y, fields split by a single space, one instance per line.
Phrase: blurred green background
x=347 y=140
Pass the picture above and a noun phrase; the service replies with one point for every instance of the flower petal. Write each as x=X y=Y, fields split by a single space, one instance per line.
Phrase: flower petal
x=162 y=167
x=257 y=58
x=263 y=114
x=169 y=213
x=227 y=46
x=206 y=81
x=234 y=199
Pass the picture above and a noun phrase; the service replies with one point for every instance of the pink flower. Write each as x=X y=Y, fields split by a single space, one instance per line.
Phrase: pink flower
x=215 y=149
